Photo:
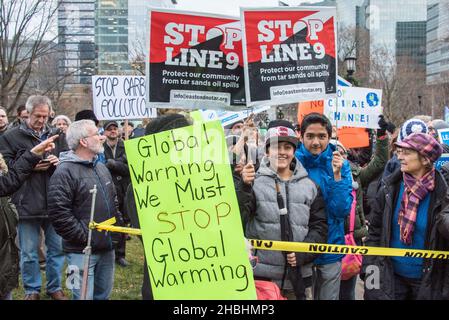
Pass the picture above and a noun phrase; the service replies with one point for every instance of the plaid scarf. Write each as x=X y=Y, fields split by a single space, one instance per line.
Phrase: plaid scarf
x=414 y=191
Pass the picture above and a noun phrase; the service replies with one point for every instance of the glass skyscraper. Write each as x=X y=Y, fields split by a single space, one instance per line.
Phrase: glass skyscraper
x=381 y=18
x=111 y=36
x=76 y=36
x=437 y=69
x=411 y=43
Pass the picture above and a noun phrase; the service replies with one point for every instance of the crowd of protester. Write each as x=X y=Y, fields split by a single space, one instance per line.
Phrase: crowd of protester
x=294 y=182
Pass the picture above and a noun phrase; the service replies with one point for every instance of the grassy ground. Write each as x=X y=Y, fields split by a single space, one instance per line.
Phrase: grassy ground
x=127 y=281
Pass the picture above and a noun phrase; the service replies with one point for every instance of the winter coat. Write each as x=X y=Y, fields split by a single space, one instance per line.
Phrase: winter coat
x=392 y=165
x=31 y=199
x=306 y=216
x=362 y=177
x=9 y=254
x=69 y=202
x=435 y=276
x=337 y=194
x=118 y=166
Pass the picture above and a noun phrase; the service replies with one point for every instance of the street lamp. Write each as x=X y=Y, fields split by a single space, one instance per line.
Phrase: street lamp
x=350 y=67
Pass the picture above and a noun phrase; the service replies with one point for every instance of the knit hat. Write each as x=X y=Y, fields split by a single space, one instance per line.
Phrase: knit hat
x=280 y=123
x=166 y=122
x=412 y=126
x=86 y=115
x=424 y=144
x=280 y=134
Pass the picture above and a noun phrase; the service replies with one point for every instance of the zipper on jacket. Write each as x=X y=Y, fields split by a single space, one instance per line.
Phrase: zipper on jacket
x=104 y=192
x=430 y=225
x=388 y=202
x=287 y=205
x=106 y=201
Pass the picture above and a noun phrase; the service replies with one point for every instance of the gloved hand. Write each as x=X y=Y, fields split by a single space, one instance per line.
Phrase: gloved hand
x=383 y=125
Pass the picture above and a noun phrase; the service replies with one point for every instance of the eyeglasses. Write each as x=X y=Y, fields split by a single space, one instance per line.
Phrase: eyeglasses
x=93 y=135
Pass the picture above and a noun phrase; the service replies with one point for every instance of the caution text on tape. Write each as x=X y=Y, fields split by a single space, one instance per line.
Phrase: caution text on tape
x=309 y=247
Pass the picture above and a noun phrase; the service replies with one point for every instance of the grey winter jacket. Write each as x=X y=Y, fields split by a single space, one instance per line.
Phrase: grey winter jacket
x=69 y=202
x=306 y=215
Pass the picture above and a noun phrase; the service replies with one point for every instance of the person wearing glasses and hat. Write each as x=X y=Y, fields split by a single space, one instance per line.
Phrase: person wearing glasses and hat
x=410 y=212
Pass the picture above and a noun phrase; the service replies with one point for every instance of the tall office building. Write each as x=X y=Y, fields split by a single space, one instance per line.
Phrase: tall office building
x=76 y=41
x=437 y=69
x=411 y=43
x=111 y=36
x=380 y=18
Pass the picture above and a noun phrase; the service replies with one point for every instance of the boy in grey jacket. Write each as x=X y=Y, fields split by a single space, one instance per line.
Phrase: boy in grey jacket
x=282 y=203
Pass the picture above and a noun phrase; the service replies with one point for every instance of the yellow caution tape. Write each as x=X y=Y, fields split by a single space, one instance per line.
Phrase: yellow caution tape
x=110 y=221
x=310 y=247
x=343 y=249
x=107 y=227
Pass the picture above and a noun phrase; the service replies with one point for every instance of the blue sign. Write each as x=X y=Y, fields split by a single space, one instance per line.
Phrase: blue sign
x=442 y=160
x=443 y=135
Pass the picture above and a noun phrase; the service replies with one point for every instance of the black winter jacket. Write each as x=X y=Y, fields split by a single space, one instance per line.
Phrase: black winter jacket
x=9 y=254
x=118 y=166
x=69 y=202
x=435 y=278
x=31 y=199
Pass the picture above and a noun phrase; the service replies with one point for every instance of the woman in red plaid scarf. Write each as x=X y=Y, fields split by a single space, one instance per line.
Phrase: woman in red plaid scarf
x=409 y=214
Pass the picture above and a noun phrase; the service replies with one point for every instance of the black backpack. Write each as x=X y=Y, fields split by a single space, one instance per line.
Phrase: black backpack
x=9 y=253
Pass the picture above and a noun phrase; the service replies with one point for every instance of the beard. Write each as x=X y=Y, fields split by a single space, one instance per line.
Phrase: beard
x=97 y=149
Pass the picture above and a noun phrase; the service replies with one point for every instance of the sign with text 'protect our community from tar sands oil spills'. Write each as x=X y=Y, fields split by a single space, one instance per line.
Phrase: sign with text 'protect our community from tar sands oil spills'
x=195 y=61
x=289 y=54
x=189 y=214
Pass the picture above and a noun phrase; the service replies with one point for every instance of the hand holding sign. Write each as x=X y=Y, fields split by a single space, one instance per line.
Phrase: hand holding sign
x=337 y=164
x=248 y=173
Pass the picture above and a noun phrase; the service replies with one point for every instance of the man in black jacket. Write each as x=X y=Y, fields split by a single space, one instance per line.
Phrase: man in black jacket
x=114 y=152
x=31 y=200
x=69 y=205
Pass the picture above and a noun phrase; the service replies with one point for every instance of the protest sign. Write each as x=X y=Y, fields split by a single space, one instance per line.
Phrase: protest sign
x=195 y=61
x=443 y=135
x=304 y=108
x=229 y=117
x=357 y=107
x=442 y=160
x=353 y=137
x=289 y=54
x=120 y=97
x=189 y=214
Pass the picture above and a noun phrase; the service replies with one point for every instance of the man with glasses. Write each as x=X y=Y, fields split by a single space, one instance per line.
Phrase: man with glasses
x=69 y=202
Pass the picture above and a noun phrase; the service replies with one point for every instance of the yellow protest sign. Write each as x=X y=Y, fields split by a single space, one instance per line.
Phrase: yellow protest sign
x=189 y=214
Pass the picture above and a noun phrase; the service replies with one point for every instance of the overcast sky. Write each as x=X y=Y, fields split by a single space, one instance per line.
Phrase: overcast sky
x=229 y=7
